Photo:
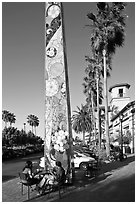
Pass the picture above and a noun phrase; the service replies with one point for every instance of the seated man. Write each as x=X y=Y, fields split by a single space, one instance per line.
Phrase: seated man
x=57 y=176
x=59 y=172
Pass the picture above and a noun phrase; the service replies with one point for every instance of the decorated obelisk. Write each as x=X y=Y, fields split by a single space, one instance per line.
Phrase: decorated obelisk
x=58 y=132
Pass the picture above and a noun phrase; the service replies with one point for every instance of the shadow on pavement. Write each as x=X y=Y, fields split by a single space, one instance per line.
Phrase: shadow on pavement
x=100 y=188
x=82 y=181
x=122 y=190
x=116 y=164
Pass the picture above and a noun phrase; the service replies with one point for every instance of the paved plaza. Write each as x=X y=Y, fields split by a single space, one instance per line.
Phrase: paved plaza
x=115 y=183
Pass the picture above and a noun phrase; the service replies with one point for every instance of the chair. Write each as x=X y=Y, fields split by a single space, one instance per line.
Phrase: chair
x=92 y=170
x=26 y=182
x=61 y=185
x=57 y=186
x=95 y=169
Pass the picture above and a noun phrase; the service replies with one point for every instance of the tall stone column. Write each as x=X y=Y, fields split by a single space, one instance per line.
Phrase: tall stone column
x=58 y=132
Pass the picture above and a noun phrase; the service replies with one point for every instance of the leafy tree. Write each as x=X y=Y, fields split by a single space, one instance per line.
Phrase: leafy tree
x=114 y=111
x=8 y=134
x=18 y=138
x=127 y=137
x=108 y=32
x=12 y=136
x=4 y=136
x=30 y=135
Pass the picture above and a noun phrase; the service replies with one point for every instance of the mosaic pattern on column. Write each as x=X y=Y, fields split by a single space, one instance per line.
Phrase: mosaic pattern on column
x=56 y=138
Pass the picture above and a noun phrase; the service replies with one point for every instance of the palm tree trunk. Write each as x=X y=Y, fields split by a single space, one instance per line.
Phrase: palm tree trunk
x=84 y=137
x=98 y=115
x=91 y=114
x=100 y=124
x=91 y=130
x=94 y=120
x=106 y=105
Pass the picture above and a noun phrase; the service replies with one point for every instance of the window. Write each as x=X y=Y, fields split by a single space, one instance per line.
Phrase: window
x=121 y=92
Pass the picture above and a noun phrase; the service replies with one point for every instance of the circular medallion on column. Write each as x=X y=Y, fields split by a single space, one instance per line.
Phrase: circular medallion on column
x=56 y=70
x=51 y=52
x=53 y=11
x=51 y=87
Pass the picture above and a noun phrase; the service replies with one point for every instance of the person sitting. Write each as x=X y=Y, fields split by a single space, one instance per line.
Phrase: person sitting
x=48 y=179
x=55 y=177
x=59 y=173
x=27 y=170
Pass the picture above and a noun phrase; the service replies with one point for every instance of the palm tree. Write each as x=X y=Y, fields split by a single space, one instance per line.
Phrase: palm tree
x=114 y=111
x=12 y=118
x=36 y=123
x=88 y=91
x=8 y=117
x=81 y=121
x=95 y=73
x=33 y=121
x=108 y=33
x=30 y=120
x=5 y=117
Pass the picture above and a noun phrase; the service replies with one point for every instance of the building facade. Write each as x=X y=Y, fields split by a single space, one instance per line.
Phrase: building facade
x=122 y=120
x=119 y=96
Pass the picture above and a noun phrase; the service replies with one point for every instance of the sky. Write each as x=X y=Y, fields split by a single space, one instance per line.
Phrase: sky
x=23 y=57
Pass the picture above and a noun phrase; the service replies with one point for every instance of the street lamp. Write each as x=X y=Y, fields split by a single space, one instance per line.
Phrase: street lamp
x=121 y=131
x=133 y=115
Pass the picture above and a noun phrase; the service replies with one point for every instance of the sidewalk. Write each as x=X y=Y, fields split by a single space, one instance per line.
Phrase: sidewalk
x=11 y=190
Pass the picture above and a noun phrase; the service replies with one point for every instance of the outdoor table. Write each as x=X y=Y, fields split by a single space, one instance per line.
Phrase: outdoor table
x=41 y=174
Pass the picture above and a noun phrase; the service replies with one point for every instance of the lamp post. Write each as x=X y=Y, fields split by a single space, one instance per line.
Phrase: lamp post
x=121 y=131
x=133 y=115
